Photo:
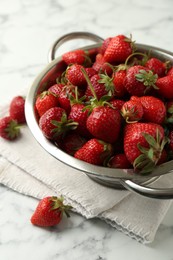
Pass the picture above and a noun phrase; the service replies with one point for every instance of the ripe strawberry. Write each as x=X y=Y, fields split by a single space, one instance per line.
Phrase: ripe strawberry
x=75 y=76
x=170 y=72
x=157 y=66
x=79 y=114
x=9 y=128
x=72 y=143
x=17 y=109
x=143 y=145
x=100 y=87
x=45 y=101
x=154 y=109
x=165 y=86
x=101 y=66
x=68 y=93
x=49 y=212
x=119 y=161
x=94 y=151
x=75 y=57
x=105 y=45
x=119 y=48
x=104 y=123
x=132 y=111
x=139 y=80
x=117 y=103
x=118 y=81
x=54 y=123
x=56 y=89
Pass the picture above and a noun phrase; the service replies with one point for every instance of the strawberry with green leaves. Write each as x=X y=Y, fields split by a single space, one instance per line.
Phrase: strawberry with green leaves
x=132 y=111
x=143 y=145
x=49 y=212
x=157 y=66
x=140 y=80
x=55 y=124
x=94 y=151
x=9 y=128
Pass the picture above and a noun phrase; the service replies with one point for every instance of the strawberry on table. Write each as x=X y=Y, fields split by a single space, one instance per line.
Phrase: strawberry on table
x=94 y=151
x=49 y=212
x=17 y=109
x=9 y=128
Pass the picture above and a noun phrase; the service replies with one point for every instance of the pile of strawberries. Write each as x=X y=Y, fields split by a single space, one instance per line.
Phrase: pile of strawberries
x=111 y=106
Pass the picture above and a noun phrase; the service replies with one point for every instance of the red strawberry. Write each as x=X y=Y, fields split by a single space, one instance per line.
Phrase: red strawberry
x=170 y=72
x=118 y=81
x=119 y=48
x=143 y=145
x=56 y=89
x=139 y=80
x=101 y=87
x=132 y=111
x=67 y=94
x=75 y=76
x=54 y=123
x=17 y=109
x=79 y=114
x=104 y=123
x=105 y=45
x=101 y=66
x=49 y=212
x=94 y=151
x=76 y=56
x=117 y=103
x=154 y=109
x=119 y=161
x=9 y=128
x=157 y=66
x=72 y=143
x=45 y=101
x=165 y=85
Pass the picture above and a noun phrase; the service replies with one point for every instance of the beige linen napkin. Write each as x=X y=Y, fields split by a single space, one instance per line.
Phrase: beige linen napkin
x=25 y=167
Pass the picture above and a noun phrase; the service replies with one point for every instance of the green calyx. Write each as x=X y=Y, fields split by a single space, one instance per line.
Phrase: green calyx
x=148 y=78
x=149 y=157
x=13 y=129
x=108 y=82
x=63 y=126
x=58 y=204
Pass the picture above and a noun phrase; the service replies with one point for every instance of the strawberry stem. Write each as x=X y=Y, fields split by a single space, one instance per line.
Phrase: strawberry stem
x=89 y=83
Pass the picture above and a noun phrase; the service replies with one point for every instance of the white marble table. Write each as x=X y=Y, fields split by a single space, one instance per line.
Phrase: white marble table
x=27 y=30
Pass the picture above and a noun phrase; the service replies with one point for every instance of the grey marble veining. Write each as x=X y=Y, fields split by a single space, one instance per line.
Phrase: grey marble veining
x=27 y=30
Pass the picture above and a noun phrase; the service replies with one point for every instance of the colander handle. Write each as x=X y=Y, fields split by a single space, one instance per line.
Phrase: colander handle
x=149 y=192
x=70 y=36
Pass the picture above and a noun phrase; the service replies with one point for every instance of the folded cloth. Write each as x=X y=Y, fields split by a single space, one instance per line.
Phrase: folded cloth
x=27 y=168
